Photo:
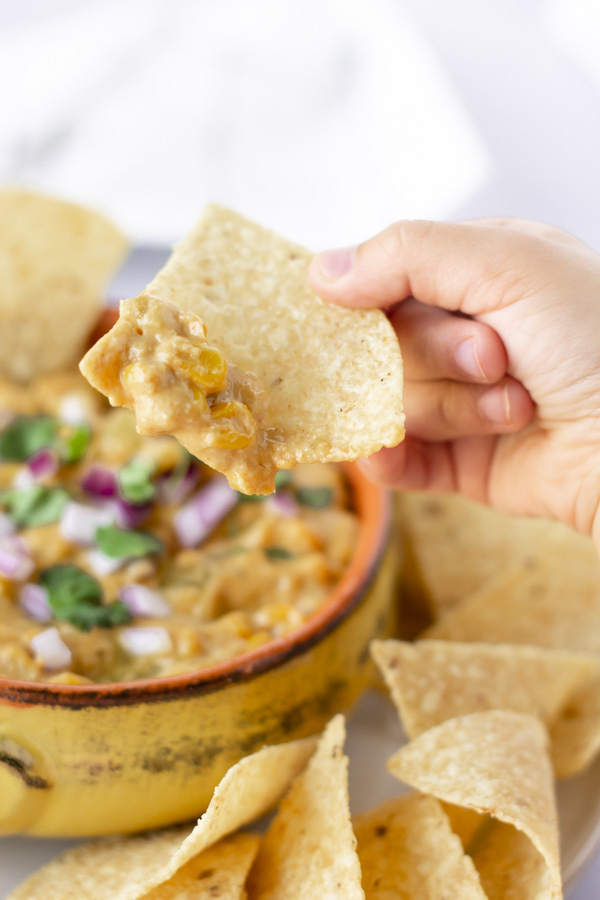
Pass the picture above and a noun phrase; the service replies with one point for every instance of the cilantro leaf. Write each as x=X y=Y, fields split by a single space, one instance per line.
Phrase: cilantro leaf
x=278 y=553
x=135 y=480
x=76 y=597
x=34 y=505
x=318 y=498
x=73 y=441
x=120 y=544
x=26 y=435
x=282 y=478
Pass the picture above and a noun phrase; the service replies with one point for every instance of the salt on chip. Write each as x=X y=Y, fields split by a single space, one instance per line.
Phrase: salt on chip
x=128 y=868
x=407 y=849
x=455 y=545
x=493 y=762
x=431 y=681
x=328 y=378
x=55 y=261
x=309 y=850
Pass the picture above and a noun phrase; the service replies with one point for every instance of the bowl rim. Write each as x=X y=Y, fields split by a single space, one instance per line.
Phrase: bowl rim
x=373 y=505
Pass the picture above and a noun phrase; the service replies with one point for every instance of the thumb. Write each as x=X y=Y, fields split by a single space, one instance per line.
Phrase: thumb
x=469 y=267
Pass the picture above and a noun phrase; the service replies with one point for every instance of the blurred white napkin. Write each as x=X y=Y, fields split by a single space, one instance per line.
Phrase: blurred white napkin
x=326 y=120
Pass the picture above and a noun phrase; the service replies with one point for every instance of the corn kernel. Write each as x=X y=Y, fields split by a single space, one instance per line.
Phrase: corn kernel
x=229 y=438
x=208 y=371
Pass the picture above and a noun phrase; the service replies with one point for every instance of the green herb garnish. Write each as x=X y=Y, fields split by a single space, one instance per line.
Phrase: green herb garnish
x=35 y=505
x=73 y=441
x=120 y=544
x=76 y=597
x=250 y=498
x=26 y=435
x=135 y=480
x=318 y=498
x=282 y=478
x=278 y=553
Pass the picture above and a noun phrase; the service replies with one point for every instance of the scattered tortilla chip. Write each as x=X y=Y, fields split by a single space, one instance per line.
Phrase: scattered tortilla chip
x=318 y=382
x=55 y=261
x=493 y=762
x=407 y=849
x=309 y=850
x=465 y=823
x=220 y=871
x=128 y=868
x=575 y=735
x=547 y=604
x=509 y=866
x=431 y=681
x=455 y=545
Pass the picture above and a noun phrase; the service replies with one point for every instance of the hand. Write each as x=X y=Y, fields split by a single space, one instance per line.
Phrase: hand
x=499 y=325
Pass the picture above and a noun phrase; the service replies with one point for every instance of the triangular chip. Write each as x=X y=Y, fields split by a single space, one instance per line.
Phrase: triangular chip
x=279 y=376
x=552 y=602
x=575 y=735
x=455 y=545
x=55 y=261
x=509 y=866
x=407 y=849
x=431 y=681
x=492 y=762
x=309 y=850
x=94 y=871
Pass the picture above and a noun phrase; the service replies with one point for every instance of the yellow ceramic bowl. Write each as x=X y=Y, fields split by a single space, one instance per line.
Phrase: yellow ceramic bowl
x=99 y=759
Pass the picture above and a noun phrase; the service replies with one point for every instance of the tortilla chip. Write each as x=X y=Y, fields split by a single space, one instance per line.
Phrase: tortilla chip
x=465 y=823
x=128 y=868
x=431 y=681
x=494 y=761
x=575 y=735
x=220 y=871
x=509 y=866
x=553 y=602
x=455 y=545
x=329 y=379
x=407 y=849
x=309 y=850
x=55 y=261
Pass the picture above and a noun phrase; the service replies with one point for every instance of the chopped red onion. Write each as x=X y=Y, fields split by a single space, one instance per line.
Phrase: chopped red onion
x=103 y=564
x=99 y=481
x=33 y=600
x=195 y=521
x=15 y=562
x=72 y=410
x=7 y=526
x=284 y=504
x=79 y=522
x=143 y=601
x=175 y=492
x=142 y=641
x=52 y=650
x=43 y=464
x=129 y=515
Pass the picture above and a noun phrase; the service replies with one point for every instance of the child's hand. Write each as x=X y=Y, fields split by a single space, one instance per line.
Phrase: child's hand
x=529 y=296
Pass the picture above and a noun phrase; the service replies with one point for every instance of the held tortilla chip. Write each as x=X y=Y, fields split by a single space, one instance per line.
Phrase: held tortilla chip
x=493 y=762
x=407 y=849
x=304 y=380
x=55 y=261
x=454 y=546
x=431 y=681
x=128 y=868
x=309 y=850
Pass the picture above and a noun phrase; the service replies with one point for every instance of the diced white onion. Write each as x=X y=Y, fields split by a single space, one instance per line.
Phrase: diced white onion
x=195 y=521
x=79 y=522
x=24 y=478
x=50 y=648
x=15 y=562
x=7 y=526
x=143 y=601
x=72 y=410
x=143 y=641
x=33 y=600
x=103 y=564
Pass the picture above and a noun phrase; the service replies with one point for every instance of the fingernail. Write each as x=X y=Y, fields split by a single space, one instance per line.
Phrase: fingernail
x=494 y=404
x=333 y=264
x=468 y=360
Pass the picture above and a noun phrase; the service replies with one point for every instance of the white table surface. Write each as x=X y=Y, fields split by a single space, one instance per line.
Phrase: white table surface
x=395 y=108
